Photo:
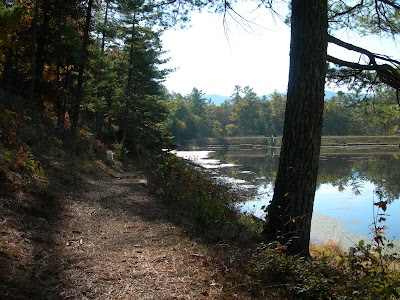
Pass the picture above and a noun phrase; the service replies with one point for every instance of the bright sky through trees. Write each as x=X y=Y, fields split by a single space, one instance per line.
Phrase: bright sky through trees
x=214 y=61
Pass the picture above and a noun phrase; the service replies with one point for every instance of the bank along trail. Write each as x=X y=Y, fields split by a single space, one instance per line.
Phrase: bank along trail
x=113 y=240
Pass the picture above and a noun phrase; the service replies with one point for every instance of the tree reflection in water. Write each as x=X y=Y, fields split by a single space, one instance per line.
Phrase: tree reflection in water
x=346 y=184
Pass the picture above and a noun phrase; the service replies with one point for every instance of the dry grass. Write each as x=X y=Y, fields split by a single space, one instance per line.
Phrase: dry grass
x=327 y=248
x=95 y=236
x=330 y=248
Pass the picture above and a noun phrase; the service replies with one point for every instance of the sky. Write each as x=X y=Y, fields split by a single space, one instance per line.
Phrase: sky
x=214 y=60
x=214 y=57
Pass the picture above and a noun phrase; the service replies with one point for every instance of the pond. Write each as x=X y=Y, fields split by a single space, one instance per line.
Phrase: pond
x=348 y=185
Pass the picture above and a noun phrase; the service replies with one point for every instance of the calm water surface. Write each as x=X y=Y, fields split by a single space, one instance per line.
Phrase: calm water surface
x=347 y=185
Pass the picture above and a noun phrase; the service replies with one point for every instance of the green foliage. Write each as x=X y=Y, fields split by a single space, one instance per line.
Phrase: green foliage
x=190 y=116
x=246 y=114
x=119 y=150
x=42 y=48
x=20 y=161
x=300 y=278
x=192 y=193
x=277 y=108
x=347 y=114
x=9 y=16
x=13 y=156
x=358 y=275
x=337 y=118
x=370 y=271
x=367 y=268
x=231 y=130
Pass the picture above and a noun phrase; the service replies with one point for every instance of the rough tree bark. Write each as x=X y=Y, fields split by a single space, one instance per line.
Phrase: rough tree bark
x=42 y=40
x=33 y=51
x=82 y=64
x=290 y=212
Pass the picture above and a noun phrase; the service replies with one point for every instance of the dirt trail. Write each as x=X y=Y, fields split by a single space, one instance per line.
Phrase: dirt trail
x=112 y=240
x=119 y=246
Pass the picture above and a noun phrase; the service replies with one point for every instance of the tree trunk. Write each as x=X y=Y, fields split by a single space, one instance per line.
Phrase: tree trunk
x=100 y=113
x=82 y=64
x=42 y=40
x=33 y=51
x=103 y=36
x=290 y=212
x=129 y=97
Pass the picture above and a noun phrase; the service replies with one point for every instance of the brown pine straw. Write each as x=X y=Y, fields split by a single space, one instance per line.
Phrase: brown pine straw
x=105 y=237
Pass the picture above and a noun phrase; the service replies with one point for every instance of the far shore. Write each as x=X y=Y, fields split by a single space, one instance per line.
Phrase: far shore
x=392 y=143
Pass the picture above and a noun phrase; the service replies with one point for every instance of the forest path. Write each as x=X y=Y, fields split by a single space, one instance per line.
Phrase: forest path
x=113 y=241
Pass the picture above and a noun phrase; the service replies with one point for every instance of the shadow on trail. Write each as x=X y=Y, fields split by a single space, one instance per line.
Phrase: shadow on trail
x=116 y=217
x=135 y=200
x=29 y=261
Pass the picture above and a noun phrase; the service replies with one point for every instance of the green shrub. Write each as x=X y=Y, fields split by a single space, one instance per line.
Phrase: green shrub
x=119 y=150
x=299 y=277
x=13 y=156
x=192 y=193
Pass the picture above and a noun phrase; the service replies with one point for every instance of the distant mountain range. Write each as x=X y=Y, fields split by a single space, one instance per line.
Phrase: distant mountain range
x=219 y=99
x=216 y=99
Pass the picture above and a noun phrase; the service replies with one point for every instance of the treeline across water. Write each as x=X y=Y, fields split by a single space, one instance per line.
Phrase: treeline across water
x=245 y=113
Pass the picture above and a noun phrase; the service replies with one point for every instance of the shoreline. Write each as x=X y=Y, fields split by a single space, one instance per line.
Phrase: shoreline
x=265 y=142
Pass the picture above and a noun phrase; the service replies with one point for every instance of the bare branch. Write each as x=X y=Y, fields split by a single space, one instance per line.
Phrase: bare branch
x=348 y=64
x=336 y=41
x=369 y=54
x=387 y=58
x=390 y=3
x=349 y=10
x=161 y=4
x=237 y=17
x=387 y=74
x=246 y=24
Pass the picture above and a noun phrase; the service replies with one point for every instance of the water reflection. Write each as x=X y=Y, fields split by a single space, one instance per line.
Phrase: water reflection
x=346 y=189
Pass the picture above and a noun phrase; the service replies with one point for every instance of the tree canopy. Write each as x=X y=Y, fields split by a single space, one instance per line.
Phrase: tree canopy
x=91 y=63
